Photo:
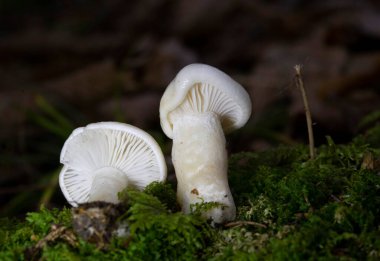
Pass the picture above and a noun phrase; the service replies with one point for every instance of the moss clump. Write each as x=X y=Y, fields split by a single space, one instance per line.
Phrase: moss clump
x=16 y=237
x=165 y=193
x=370 y=125
x=151 y=232
x=160 y=235
x=325 y=208
x=289 y=208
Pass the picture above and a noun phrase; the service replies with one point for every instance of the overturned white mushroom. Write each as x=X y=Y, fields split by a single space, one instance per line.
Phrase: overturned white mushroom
x=103 y=158
x=198 y=106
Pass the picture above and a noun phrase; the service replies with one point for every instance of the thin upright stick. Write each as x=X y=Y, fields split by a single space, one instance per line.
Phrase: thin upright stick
x=300 y=85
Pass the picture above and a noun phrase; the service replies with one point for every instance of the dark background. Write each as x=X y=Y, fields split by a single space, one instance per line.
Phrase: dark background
x=64 y=64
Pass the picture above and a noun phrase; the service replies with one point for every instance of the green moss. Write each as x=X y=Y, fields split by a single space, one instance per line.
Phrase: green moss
x=370 y=125
x=322 y=209
x=288 y=208
x=16 y=237
x=165 y=193
x=41 y=221
x=157 y=234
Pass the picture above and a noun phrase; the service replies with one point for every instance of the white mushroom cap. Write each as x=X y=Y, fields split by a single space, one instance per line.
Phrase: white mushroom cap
x=93 y=150
x=206 y=88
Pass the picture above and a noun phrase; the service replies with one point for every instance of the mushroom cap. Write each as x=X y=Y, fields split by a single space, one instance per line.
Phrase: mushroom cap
x=127 y=149
x=209 y=89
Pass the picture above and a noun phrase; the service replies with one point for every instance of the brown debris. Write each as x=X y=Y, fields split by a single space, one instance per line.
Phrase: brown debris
x=56 y=233
x=194 y=191
x=96 y=221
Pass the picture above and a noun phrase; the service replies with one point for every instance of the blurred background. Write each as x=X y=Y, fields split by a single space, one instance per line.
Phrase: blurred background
x=64 y=64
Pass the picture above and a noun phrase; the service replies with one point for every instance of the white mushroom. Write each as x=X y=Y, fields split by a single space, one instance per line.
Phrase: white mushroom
x=198 y=106
x=103 y=158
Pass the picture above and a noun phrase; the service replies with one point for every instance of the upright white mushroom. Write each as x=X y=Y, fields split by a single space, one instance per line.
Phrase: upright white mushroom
x=103 y=158
x=198 y=106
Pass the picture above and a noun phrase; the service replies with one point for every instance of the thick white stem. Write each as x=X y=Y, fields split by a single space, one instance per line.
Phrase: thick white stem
x=200 y=161
x=107 y=183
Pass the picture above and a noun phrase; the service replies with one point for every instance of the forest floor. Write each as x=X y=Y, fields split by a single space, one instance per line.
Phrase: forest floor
x=65 y=64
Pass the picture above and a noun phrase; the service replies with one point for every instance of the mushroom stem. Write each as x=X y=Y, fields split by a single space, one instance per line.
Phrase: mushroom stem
x=200 y=161
x=107 y=182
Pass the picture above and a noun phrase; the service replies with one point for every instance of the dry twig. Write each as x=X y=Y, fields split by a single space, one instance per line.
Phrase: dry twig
x=300 y=85
x=56 y=233
x=242 y=223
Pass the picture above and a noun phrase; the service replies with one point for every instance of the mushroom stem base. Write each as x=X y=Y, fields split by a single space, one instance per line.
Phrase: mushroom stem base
x=108 y=181
x=200 y=161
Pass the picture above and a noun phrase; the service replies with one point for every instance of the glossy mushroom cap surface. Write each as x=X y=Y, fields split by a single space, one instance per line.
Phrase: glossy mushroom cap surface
x=124 y=152
x=202 y=88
